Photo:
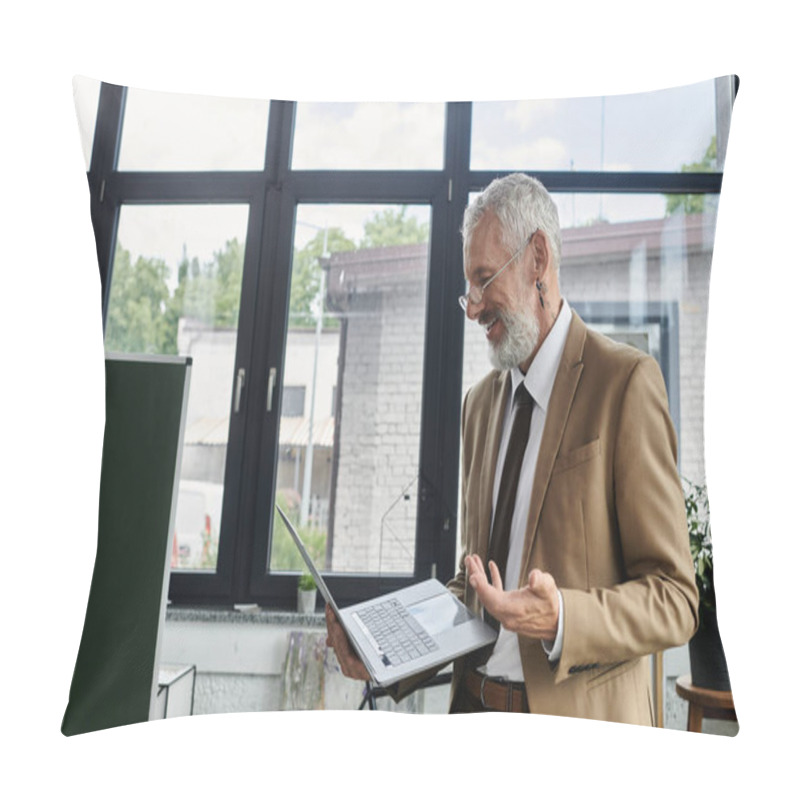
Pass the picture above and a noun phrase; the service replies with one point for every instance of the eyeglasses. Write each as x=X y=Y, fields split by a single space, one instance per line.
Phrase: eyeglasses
x=475 y=293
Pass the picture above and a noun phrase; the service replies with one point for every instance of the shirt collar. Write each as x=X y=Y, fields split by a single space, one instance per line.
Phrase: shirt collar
x=541 y=374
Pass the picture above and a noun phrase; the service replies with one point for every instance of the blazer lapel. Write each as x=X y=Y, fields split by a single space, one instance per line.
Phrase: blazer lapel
x=494 y=431
x=566 y=382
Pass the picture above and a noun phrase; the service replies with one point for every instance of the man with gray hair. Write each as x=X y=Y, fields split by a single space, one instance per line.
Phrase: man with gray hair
x=570 y=489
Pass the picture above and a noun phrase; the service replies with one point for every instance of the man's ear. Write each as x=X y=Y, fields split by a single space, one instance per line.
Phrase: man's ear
x=541 y=253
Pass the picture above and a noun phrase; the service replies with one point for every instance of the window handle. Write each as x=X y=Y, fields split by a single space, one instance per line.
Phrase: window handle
x=240 y=376
x=270 y=388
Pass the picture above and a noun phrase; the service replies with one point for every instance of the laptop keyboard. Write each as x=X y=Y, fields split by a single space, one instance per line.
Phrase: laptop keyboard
x=394 y=632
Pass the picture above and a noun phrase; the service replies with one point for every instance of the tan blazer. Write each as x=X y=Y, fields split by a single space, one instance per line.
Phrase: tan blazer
x=607 y=520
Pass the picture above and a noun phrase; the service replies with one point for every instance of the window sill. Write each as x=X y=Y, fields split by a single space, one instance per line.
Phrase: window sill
x=256 y=616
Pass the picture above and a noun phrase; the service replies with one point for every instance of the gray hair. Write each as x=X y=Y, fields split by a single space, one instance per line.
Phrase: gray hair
x=522 y=205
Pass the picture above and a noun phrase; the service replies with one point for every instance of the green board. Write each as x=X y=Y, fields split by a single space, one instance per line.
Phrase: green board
x=116 y=668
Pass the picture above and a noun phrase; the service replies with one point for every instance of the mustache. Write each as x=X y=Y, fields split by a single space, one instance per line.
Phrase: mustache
x=487 y=317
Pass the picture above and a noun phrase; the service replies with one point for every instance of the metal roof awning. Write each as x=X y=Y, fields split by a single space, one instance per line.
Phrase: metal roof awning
x=294 y=432
x=213 y=431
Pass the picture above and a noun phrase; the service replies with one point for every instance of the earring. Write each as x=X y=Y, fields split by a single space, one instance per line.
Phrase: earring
x=542 y=290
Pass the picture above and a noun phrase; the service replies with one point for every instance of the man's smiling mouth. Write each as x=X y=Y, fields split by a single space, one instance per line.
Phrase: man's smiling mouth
x=488 y=322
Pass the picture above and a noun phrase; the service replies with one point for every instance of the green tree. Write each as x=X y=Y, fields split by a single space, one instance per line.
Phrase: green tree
x=385 y=228
x=391 y=227
x=143 y=317
x=175 y=307
x=136 y=321
x=228 y=267
x=284 y=554
x=694 y=203
x=210 y=292
x=307 y=276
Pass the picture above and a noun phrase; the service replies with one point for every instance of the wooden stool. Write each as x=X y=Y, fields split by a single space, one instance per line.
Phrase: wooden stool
x=704 y=703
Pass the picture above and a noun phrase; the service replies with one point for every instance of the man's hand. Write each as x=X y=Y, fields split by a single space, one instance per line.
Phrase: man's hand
x=530 y=611
x=351 y=664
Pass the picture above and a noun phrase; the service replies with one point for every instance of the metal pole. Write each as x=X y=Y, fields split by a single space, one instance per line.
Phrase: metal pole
x=305 y=506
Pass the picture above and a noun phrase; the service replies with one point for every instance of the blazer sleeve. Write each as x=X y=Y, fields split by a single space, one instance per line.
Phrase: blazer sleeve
x=655 y=606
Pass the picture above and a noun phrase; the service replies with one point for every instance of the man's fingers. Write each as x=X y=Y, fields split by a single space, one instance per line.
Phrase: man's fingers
x=518 y=611
x=337 y=639
x=542 y=583
x=497 y=581
x=333 y=628
x=474 y=564
x=477 y=575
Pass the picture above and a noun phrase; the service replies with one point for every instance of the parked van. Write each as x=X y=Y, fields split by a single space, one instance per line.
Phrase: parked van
x=197 y=521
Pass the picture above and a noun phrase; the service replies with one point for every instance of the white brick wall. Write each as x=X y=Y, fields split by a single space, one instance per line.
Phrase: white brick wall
x=379 y=431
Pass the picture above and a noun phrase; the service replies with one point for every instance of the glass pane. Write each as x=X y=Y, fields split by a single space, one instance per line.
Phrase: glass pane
x=86 y=92
x=671 y=130
x=642 y=280
x=175 y=290
x=348 y=466
x=369 y=136
x=581 y=210
x=165 y=131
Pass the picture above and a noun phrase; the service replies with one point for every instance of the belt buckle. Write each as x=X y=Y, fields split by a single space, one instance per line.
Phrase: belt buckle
x=483 y=682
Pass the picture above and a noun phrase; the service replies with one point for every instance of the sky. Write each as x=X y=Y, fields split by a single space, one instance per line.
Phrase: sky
x=654 y=131
x=53 y=401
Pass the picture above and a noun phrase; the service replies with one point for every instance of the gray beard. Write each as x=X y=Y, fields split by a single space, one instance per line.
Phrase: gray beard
x=521 y=336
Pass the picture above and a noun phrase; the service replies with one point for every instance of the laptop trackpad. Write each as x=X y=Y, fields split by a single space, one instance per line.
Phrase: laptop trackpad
x=439 y=613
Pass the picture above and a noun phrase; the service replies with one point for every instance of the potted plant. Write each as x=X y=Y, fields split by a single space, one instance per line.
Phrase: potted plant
x=306 y=594
x=706 y=655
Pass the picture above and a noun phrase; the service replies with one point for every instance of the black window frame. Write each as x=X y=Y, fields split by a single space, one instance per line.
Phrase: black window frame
x=273 y=195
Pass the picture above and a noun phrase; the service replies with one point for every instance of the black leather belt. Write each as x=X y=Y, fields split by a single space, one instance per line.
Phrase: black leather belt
x=496 y=694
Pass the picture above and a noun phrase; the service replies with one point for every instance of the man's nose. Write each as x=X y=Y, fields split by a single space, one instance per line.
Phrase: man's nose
x=474 y=309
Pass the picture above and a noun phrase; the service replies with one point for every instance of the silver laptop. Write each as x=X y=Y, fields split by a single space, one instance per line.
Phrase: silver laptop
x=405 y=632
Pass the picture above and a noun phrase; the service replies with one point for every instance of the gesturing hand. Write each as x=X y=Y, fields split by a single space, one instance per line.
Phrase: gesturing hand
x=530 y=611
x=351 y=664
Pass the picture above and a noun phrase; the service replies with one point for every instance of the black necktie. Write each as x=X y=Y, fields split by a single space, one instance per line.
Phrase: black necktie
x=507 y=494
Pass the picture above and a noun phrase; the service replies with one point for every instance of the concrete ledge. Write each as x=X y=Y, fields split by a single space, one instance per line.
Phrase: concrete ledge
x=232 y=642
x=256 y=616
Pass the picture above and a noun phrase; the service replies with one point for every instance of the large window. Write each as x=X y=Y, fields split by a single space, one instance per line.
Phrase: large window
x=308 y=258
x=356 y=329
x=176 y=287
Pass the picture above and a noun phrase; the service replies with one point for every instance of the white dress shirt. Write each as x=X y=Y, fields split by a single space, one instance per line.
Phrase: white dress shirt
x=505 y=660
